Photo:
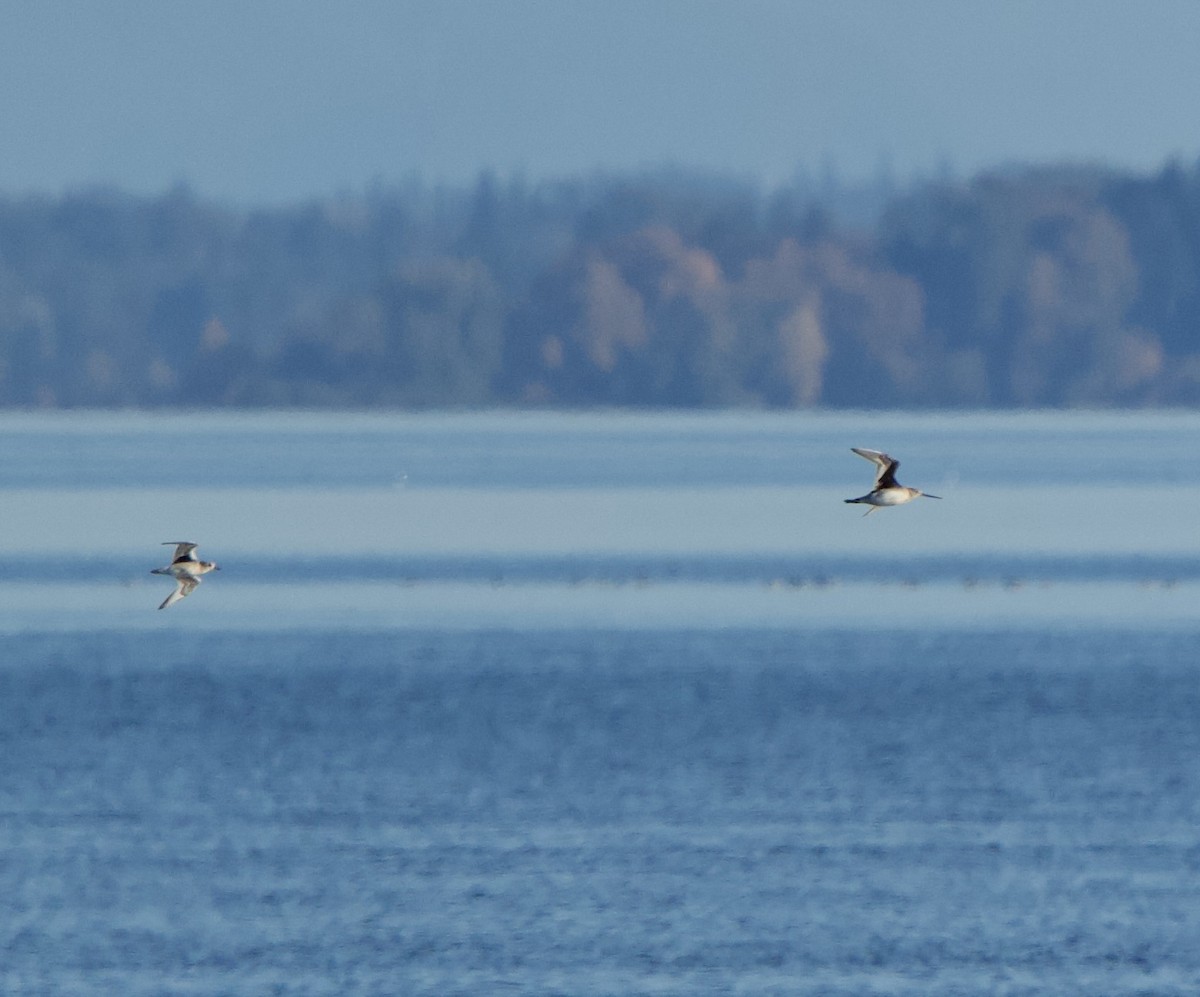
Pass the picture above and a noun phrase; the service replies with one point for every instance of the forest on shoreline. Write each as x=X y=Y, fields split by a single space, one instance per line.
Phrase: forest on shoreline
x=1051 y=286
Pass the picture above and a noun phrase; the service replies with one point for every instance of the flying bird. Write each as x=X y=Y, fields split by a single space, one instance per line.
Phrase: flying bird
x=185 y=568
x=887 y=490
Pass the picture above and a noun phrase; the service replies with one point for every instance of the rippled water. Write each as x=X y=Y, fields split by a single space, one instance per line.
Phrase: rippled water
x=601 y=812
x=570 y=710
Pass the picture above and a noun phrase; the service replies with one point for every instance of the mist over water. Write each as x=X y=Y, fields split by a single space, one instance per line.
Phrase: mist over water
x=599 y=704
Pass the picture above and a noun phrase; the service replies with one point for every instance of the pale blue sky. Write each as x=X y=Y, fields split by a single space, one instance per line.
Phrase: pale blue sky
x=271 y=100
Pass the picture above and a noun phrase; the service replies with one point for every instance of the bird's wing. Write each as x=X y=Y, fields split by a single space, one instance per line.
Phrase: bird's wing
x=184 y=586
x=174 y=597
x=887 y=476
x=885 y=466
x=183 y=550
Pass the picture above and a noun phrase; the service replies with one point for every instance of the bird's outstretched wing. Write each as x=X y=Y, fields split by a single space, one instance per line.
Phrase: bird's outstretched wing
x=183 y=550
x=885 y=466
x=184 y=586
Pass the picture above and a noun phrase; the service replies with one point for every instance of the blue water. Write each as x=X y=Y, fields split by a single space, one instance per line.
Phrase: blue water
x=601 y=813
x=609 y=768
x=539 y=450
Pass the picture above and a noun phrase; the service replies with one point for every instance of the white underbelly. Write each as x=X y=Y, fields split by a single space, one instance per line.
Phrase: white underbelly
x=892 y=496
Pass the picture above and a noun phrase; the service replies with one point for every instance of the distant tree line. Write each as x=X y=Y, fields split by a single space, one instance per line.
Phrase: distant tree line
x=1056 y=286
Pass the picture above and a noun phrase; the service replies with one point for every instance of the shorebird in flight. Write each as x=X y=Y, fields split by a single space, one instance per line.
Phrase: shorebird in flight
x=185 y=568
x=887 y=490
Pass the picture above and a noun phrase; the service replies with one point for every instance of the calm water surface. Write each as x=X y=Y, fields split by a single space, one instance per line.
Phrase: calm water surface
x=599 y=705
